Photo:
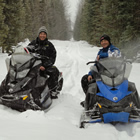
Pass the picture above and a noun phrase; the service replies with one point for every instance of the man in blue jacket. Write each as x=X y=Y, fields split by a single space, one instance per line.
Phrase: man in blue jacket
x=108 y=50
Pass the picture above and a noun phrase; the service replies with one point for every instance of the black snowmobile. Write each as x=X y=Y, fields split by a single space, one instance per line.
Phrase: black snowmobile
x=111 y=98
x=24 y=88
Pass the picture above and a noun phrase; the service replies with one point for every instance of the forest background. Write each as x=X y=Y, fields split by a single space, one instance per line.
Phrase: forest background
x=120 y=19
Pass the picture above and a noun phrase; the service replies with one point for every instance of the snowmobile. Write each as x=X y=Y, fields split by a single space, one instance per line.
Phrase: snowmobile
x=24 y=88
x=111 y=98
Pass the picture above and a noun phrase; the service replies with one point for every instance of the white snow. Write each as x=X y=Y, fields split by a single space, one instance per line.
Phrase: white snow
x=61 y=121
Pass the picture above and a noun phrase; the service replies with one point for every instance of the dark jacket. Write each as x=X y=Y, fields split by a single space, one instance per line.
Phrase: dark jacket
x=44 y=48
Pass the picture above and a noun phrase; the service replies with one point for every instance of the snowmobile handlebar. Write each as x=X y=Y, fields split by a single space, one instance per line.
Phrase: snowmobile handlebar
x=91 y=62
x=95 y=62
x=31 y=50
x=40 y=57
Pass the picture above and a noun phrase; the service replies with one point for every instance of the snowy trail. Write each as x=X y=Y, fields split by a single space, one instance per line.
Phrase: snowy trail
x=61 y=121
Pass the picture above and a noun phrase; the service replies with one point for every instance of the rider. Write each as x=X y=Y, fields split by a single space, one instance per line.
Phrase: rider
x=47 y=51
x=108 y=50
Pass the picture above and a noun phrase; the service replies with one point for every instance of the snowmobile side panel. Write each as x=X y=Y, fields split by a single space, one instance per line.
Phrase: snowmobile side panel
x=133 y=120
x=113 y=95
x=95 y=121
x=82 y=124
x=116 y=117
x=87 y=120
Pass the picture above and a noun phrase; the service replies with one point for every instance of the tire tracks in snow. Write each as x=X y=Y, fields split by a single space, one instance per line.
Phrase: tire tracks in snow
x=73 y=73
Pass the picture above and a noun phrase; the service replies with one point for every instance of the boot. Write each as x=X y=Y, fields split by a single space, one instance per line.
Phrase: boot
x=54 y=92
x=82 y=103
x=53 y=95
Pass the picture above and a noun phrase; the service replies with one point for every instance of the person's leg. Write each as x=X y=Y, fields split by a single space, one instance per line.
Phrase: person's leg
x=53 y=72
x=90 y=99
x=88 y=87
x=84 y=83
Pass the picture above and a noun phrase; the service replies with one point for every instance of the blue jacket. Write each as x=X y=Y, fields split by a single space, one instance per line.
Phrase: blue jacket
x=110 y=51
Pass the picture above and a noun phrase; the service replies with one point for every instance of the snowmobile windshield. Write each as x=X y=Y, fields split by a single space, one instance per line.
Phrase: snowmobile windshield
x=20 y=63
x=113 y=71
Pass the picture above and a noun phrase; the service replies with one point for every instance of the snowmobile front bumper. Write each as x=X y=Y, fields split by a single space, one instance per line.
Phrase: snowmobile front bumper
x=123 y=117
x=116 y=117
x=111 y=117
x=19 y=102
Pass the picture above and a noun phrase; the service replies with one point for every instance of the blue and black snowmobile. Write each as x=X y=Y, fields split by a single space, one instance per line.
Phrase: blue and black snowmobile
x=24 y=88
x=111 y=98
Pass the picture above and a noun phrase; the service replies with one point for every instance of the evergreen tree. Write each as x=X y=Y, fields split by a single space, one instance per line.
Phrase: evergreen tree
x=28 y=19
x=57 y=22
x=120 y=19
x=3 y=27
x=91 y=21
x=136 y=18
x=86 y=20
x=21 y=19
x=15 y=21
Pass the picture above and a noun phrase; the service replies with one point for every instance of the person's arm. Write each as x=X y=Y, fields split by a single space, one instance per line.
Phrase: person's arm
x=101 y=54
x=31 y=46
x=52 y=57
x=49 y=61
x=114 y=52
x=90 y=76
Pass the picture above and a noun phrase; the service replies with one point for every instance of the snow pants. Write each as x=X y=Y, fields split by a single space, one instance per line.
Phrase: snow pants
x=53 y=73
x=85 y=83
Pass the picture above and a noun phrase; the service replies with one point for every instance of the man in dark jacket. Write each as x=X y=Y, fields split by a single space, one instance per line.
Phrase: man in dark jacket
x=47 y=51
x=108 y=50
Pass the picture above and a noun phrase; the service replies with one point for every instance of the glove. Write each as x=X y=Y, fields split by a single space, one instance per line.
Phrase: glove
x=31 y=48
x=47 y=63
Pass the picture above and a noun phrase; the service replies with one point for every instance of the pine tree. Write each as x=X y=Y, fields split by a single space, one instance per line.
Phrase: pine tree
x=21 y=19
x=136 y=18
x=28 y=19
x=3 y=26
x=85 y=27
x=91 y=21
x=15 y=20
x=56 y=20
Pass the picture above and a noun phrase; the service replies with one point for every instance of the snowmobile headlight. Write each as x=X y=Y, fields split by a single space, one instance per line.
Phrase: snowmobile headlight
x=131 y=104
x=10 y=90
x=16 y=97
x=99 y=105
x=25 y=97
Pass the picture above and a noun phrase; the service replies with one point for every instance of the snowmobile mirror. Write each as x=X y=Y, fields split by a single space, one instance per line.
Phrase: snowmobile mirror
x=10 y=52
x=129 y=61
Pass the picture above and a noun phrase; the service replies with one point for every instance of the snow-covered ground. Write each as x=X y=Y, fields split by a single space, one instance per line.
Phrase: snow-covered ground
x=61 y=121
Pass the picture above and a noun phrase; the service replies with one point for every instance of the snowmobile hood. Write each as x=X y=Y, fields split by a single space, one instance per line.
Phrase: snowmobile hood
x=116 y=117
x=113 y=95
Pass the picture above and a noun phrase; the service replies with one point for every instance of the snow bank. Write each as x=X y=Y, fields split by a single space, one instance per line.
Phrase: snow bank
x=61 y=121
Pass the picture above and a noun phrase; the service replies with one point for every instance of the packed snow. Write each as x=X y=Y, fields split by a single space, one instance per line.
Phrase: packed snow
x=61 y=121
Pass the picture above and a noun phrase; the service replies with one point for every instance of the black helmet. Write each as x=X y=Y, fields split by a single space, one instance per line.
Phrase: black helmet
x=106 y=37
